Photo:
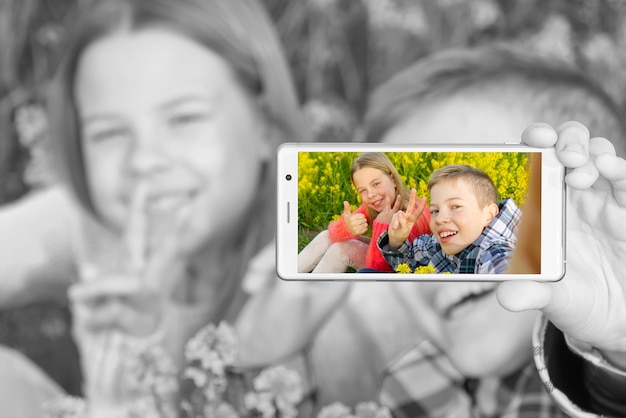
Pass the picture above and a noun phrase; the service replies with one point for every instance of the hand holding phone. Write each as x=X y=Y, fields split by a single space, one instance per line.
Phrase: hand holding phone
x=596 y=194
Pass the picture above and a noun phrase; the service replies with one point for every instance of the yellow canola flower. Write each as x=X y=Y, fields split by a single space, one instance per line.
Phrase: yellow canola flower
x=403 y=268
x=429 y=269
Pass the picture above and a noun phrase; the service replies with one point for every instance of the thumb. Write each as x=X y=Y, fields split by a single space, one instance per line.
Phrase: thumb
x=524 y=295
x=346 y=208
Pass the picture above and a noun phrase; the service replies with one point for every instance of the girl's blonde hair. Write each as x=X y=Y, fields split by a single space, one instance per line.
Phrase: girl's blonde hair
x=241 y=32
x=381 y=162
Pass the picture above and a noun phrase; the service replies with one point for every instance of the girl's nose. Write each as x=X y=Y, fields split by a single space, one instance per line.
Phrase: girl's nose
x=147 y=156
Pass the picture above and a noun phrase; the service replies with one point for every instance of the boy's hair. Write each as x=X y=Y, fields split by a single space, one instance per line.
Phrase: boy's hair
x=381 y=162
x=484 y=189
x=544 y=89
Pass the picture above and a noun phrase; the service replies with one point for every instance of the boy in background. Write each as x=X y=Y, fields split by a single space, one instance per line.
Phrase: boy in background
x=477 y=357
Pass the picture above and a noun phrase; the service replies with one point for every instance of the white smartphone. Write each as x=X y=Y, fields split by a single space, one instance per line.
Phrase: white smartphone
x=314 y=183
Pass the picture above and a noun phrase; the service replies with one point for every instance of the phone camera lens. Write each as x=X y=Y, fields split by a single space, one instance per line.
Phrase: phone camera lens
x=288 y=177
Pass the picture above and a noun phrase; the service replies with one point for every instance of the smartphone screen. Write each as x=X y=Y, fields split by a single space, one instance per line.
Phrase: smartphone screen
x=336 y=202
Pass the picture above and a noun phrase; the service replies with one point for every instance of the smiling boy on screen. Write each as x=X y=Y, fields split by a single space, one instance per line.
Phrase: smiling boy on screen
x=472 y=232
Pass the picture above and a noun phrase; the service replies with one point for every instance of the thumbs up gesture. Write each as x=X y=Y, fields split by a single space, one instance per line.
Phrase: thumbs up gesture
x=355 y=222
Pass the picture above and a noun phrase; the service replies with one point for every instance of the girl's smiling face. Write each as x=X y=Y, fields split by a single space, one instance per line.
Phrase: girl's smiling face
x=457 y=219
x=159 y=109
x=374 y=186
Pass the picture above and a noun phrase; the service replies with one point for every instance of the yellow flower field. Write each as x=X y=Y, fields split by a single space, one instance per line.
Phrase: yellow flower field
x=324 y=180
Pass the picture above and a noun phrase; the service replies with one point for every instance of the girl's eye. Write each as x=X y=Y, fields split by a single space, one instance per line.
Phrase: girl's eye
x=456 y=206
x=107 y=135
x=434 y=211
x=187 y=118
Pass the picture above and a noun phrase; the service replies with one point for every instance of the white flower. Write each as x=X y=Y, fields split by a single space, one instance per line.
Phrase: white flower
x=65 y=407
x=31 y=122
x=215 y=347
x=335 y=410
x=227 y=343
x=371 y=410
x=484 y=13
x=198 y=376
x=222 y=410
x=408 y=16
x=261 y=402
x=284 y=384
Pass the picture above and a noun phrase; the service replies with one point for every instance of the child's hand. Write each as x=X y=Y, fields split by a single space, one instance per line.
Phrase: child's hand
x=355 y=222
x=115 y=307
x=403 y=221
x=387 y=213
x=589 y=303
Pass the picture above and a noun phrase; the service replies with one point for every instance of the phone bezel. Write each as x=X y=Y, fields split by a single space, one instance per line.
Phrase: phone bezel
x=553 y=208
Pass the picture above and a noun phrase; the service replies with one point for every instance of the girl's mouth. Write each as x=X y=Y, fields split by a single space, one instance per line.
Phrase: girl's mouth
x=168 y=203
x=378 y=204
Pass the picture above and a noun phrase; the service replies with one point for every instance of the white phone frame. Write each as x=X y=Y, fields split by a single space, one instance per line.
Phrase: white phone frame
x=552 y=223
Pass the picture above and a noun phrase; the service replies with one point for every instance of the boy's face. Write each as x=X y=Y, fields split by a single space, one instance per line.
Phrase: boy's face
x=158 y=109
x=374 y=187
x=465 y=319
x=457 y=218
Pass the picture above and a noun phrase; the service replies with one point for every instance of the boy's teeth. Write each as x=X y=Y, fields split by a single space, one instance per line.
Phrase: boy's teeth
x=447 y=234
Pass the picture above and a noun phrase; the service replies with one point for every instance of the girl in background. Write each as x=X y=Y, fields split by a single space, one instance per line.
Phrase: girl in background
x=166 y=116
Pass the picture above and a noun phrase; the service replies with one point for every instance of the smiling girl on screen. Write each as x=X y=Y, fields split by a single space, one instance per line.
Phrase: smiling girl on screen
x=344 y=244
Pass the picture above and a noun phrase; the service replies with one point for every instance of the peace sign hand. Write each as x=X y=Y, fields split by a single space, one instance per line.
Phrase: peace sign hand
x=114 y=306
x=403 y=221
x=355 y=222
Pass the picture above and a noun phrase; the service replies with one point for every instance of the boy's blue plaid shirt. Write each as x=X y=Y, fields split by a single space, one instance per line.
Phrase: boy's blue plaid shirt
x=423 y=383
x=488 y=254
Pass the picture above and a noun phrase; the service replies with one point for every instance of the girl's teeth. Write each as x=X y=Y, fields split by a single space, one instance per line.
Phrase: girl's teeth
x=168 y=203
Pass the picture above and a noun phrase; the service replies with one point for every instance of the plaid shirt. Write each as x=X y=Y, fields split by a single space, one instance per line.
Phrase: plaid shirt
x=488 y=254
x=423 y=383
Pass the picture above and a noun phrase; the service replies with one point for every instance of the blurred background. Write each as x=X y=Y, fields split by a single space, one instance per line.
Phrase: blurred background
x=339 y=50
